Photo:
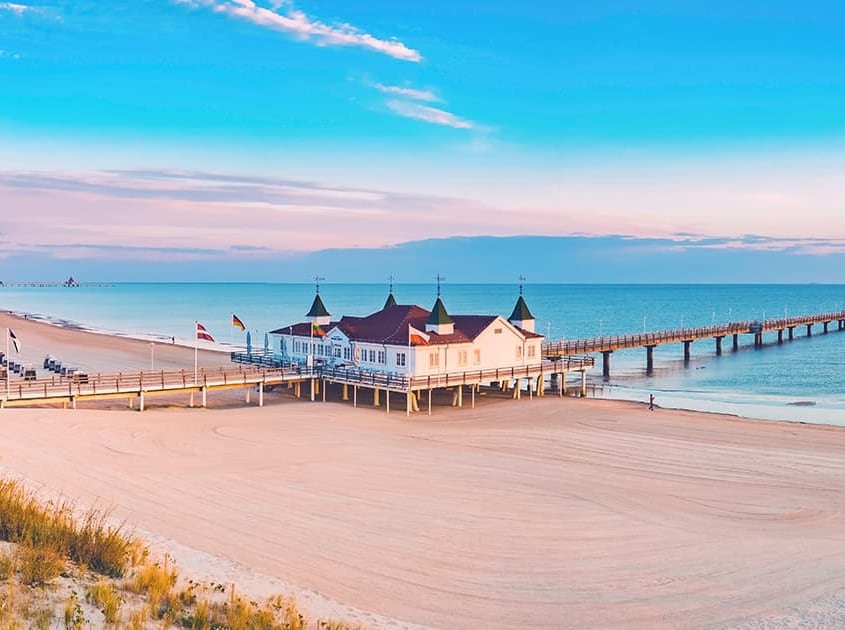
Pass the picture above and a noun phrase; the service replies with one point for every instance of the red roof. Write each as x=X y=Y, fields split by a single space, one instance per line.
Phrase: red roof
x=390 y=326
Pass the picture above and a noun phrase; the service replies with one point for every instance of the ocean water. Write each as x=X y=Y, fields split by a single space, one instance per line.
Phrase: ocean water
x=801 y=380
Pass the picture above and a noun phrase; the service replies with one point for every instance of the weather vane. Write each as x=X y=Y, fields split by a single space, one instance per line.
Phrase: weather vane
x=522 y=280
x=391 y=279
x=439 y=279
x=317 y=282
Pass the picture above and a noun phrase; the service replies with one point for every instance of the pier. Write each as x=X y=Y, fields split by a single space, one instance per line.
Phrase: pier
x=259 y=372
x=36 y=284
x=606 y=345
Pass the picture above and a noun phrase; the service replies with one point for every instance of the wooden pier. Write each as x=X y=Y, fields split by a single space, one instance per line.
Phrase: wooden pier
x=131 y=385
x=69 y=391
x=606 y=345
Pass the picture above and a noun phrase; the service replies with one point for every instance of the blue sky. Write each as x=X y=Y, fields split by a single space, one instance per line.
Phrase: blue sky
x=225 y=129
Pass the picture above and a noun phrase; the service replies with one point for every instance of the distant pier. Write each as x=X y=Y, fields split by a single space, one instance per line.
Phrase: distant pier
x=49 y=284
x=606 y=345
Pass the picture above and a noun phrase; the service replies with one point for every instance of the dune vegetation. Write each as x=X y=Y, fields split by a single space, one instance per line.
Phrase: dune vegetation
x=58 y=568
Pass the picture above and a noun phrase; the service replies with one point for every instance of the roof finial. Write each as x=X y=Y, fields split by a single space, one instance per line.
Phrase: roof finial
x=439 y=279
x=317 y=282
x=522 y=280
x=391 y=279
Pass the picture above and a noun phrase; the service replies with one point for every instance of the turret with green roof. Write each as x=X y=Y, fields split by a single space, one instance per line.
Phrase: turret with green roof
x=521 y=316
x=439 y=321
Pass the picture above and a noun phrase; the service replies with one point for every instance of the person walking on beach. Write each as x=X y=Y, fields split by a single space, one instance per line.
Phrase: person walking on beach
x=651 y=402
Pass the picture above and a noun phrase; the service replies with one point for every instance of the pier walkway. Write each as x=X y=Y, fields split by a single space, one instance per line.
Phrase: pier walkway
x=257 y=372
x=606 y=345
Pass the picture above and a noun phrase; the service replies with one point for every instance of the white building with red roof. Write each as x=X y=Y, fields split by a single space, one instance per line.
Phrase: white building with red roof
x=410 y=341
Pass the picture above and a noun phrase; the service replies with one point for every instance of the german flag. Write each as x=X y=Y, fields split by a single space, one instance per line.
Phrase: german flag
x=237 y=323
x=317 y=330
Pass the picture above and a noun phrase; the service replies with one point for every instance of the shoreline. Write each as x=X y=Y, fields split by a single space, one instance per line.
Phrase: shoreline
x=760 y=407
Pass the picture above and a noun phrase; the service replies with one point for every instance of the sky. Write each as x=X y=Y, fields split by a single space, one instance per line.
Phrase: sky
x=211 y=133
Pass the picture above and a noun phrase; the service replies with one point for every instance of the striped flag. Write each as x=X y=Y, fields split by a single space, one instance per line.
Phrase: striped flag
x=237 y=323
x=417 y=337
x=317 y=330
x=13 y=338
x=202 y=333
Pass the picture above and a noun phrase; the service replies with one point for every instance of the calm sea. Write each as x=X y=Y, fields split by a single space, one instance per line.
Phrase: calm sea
x=800 y=380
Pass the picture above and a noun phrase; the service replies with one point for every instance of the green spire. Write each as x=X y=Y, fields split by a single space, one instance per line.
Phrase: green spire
x=390 y=301
x=520 y=311
x=318 y=309
x=439 y=316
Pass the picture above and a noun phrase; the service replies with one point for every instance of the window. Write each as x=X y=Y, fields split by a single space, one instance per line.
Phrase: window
x=382 y=356
x=337 y=351
x=532 y=351
x=476 y=356
x=434 y=359
x=372 y=356
x=517 y=352
x=347 y=353
x=400 y=359
x=497 y=331
x=462 y=357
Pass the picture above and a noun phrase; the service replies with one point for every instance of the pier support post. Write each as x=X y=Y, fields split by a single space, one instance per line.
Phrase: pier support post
x=387 y=399
x=583 y=383
x=261 y=394
x=735 y=346
x=376 y=400
x=791 y=333
x=313 y=385
x=191 y=400
x=809 y=330
x=141 y=401
x=718 y=346
x=325 y=387
x=131 y=400
x=354 y=395
x=686 y=351
x=780 y=336
x=248 y=390
x=529 y=382
x=758 y=340
x=346 y=391
x=825 y=326
x=429 y=401
x=408 y=396
x=649 y=359
x=473 y=396
x=204 y=398
x=605 y=363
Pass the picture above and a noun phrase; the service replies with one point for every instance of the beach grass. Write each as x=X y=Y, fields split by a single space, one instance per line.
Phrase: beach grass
x=122 y=586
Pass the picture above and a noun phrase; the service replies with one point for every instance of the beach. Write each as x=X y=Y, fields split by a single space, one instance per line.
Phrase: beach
x=532 y=513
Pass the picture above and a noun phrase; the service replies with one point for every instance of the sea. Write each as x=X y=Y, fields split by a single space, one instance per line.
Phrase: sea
x=802 y=380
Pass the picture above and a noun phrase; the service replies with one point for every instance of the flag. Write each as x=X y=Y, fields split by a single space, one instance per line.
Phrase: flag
x=202 y=333
x=14 y=340
x=417 y=337
x=317 y=330
x=237 y=323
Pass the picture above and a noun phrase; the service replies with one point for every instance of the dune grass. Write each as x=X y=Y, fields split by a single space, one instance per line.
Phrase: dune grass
x=112 y=568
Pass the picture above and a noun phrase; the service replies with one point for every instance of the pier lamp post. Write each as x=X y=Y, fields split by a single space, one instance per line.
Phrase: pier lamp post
x=152 y=356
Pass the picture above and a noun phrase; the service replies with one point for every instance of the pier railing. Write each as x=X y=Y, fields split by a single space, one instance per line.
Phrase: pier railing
x=609 y=343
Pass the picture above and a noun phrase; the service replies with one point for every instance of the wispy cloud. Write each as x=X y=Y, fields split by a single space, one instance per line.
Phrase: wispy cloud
x=426 y=113
x=8 y=55
x=18 y=9
x=284 y=17
x=406 y=92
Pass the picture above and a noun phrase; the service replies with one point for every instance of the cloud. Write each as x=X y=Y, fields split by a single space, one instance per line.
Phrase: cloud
x=405 y=92
x=7 y=55
x=428 y=114
x=14 y=8
x=296 y=22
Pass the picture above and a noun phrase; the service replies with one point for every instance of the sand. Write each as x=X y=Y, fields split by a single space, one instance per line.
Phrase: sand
x=532 y=513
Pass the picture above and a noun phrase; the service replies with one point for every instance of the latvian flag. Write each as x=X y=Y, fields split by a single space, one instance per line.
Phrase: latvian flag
x=417 y=337
x=14 y=340
x=237 y=323
x=203 y=334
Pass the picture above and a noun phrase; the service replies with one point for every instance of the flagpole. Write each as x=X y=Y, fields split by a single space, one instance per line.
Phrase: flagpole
x=232 y=330
x=196 y=351
x=8 y=374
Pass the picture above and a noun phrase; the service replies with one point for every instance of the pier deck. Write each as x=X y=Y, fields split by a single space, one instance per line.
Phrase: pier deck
x=649 y=340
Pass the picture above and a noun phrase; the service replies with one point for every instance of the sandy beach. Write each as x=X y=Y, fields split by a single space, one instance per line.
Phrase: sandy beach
x=533 y=513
